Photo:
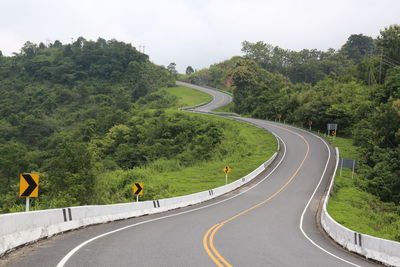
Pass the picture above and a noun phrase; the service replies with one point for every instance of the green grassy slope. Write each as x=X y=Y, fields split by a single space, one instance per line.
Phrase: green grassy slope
x=245 y=148
x=187 y=96
x=357 y=209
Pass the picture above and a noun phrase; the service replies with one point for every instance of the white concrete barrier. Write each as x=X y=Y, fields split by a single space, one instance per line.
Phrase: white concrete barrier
x=382 y=250
x=20 y=228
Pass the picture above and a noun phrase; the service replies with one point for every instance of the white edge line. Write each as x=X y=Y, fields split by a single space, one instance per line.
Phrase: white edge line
x=74 y=250
x=309 y=201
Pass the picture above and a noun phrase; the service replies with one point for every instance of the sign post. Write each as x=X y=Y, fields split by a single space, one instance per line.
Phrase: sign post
x=279 y=117
x=332 y=129
x=28 y=187
x=137 y=190
x=310 y=123
x=348 y=163
x=226 y=171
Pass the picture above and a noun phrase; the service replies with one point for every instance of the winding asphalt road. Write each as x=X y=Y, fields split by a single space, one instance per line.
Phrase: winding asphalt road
x=269 y=222
x=219 y=99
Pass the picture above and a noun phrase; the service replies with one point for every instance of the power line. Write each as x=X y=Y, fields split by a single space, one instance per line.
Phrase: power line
x=389 y=63
x=392 y=60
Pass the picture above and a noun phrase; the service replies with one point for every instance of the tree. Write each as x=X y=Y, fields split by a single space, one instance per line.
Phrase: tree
x=42 y=46
x=29 y=49
x=71 y=171
x=244 y=77
x=12 y=162
x=79 y=42
x=172 y=68
x=57 y=44
x=260 y=52
x=358 y=47
x=389 y=42
x=189 y=70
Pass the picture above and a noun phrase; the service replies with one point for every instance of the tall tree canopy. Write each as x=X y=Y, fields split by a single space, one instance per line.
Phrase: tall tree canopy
x=357 y=87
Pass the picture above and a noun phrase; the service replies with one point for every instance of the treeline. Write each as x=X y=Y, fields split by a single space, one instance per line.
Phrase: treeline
x=357 y=87
x=74 y=111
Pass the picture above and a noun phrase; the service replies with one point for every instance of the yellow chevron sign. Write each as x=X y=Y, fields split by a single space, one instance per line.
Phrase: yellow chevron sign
x=227 y=169
x=138 y=189
x=29 y=185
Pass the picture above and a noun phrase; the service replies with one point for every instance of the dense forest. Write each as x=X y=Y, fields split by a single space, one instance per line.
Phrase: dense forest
x=357 y=87
x=72 y=112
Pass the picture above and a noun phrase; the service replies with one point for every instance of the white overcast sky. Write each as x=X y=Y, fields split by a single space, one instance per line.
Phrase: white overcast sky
x=194 y=32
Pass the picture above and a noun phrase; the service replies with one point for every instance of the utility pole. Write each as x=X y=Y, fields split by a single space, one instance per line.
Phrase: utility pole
x=380 y=68
x=141 y=48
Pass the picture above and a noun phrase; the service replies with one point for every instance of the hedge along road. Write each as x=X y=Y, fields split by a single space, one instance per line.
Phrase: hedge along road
x=265 y=223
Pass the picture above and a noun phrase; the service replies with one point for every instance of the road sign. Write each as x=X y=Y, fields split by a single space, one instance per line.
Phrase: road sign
x=138 y=189
x=279 y=116
x=309 y=123
x=227 y=169
x=332 y=126
x=28 y=185
x=332 y=129
x=347 y=163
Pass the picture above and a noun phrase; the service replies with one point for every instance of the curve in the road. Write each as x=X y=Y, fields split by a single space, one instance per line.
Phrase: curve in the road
x=80 y=246
x=260 y=221
x=208 y=239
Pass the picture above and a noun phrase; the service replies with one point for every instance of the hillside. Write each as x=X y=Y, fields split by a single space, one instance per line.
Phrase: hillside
x=356 y=87
x=59 y=106
x=94 y=117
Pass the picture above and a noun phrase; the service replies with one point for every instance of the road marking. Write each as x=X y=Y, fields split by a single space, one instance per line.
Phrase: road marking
x=312 y=196
x=205 y=241
x=78 y=247
x=308 y=203
x=216 y=257
x=214 y=249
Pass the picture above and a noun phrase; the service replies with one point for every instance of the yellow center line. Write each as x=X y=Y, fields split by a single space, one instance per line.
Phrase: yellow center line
x=208 y=239
x=205 y=245
x=214 y=249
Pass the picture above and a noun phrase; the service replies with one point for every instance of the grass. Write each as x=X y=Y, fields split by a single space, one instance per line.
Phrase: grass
x=227 y=108
x=187 y=96
x=247 y=147
x=357 y=209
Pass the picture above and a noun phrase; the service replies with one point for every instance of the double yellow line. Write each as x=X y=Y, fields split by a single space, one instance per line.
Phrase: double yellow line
x=208 y=239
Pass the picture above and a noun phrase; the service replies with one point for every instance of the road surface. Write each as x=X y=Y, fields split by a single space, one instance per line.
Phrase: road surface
x=219 y=99
x=265 y=223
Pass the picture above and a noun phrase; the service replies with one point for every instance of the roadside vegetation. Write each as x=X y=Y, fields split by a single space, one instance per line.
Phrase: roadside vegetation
x=188 y=173
x=186 y=97
x=227 y=108
x=92 y=117
x=357 y=209
x=357 y=87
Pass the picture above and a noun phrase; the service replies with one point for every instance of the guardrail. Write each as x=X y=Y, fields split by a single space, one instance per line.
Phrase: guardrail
x=209 y=87
x=195 y=106
x=17 y=229
x=379 y=249
x=216 y=113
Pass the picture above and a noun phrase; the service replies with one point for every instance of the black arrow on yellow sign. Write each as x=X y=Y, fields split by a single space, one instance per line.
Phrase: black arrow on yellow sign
x=138 y=189
x=31 y=182
x=227 y=169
